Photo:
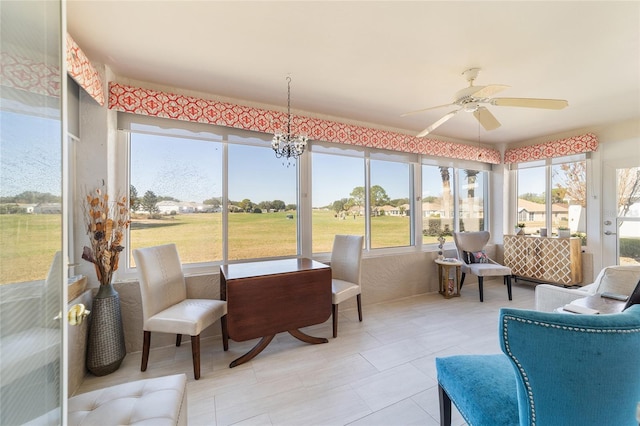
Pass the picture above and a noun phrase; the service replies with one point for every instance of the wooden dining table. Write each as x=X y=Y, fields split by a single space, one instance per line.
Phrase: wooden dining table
x=269 y=297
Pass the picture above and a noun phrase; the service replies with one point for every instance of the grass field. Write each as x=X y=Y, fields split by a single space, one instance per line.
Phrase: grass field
x=29 y=241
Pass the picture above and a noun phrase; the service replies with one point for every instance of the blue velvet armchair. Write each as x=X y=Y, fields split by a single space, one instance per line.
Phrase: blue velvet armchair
x=556 y=369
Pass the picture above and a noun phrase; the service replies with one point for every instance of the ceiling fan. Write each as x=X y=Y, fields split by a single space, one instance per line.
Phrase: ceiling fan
x=472 y=98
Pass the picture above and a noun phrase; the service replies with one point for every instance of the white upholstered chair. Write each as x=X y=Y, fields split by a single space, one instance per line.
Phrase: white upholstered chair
x=346 y=259
x=620 y=279
x=470 y=246
x=165 y=307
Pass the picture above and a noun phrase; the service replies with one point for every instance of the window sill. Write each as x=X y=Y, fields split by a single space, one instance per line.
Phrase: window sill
x=77 y=286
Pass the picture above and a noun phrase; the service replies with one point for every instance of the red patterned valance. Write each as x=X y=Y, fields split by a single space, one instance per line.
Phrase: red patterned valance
x=558 y=148
x=160 y=104
x=80 y=69
x=44 y=79
x=25 y=74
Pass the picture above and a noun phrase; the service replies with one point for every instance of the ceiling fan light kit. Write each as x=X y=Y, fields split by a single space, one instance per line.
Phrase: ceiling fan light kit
x=472 y=98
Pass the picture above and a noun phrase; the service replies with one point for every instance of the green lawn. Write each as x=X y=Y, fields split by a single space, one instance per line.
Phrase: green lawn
x=30 y=241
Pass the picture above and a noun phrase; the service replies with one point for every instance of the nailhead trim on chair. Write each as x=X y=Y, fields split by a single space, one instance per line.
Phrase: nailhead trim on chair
x=507 y=318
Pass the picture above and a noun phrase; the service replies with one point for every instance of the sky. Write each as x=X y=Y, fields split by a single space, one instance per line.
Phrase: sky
x=29 y=156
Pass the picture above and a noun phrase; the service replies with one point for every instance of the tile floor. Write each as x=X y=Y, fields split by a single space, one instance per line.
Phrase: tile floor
x=378 y=372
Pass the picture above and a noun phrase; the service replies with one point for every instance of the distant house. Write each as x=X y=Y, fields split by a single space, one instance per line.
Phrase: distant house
x=528 y=211
x=27 y=208
x=431 y=209
x=48 y=208
x=181 y=207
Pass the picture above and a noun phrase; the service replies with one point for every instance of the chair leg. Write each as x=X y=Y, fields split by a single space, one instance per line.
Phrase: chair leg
x=359 y=307
x=225 y=333
x=445 y=407
x=334 y=314
x=480 y=279
x=462 y=280
x=195 y=354
x=178 y=339
x=145 y=350
x=508 y=277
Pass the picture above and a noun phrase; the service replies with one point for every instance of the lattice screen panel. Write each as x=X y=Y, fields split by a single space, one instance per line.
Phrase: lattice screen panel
x=555 y=260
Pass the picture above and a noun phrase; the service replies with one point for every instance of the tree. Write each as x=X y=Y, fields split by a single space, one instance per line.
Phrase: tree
x=134 y=200
x=216 y=202
x=628 y=189
x=397 y=202
x=379 y=196
x=148 y=203
x=357 y=195
x=278 y=205
x=534 y=198
x=246 y=205
x=339 y=206
x=446 y=191
x=573 y=179
x=291 y=207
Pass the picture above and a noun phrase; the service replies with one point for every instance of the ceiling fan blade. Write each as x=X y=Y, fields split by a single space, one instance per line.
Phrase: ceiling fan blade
x=431 y=128
x=488 y=91
x=530 y=103
x=487 y=119
x=425 y=109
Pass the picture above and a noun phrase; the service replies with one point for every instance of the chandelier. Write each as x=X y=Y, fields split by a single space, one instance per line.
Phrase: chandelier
x=287 y=145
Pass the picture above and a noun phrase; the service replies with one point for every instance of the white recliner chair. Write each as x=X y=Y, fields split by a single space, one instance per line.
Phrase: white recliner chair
x=620 y=279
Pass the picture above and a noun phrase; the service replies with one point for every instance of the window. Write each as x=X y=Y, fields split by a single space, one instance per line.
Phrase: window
x=338 y=195
x=221 y=194
x=262 y=204
x=390 y=204
x=471 y=195
x=175 y=194
x=569 y=197
x=532 y=205
x=30 y=194
x=552 y=195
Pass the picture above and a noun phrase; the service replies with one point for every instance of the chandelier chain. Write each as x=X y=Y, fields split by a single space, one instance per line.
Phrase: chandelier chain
x=288 y=146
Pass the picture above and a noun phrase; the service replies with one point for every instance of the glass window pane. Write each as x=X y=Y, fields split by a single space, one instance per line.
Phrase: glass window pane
x=262 y=204
x=176 y=189
x=30 y=203
x=569 y=197
x=390 y=207
x=628 y=187
x=531 y=200
x=471 y=196
x=338 y=198
x=437 y=202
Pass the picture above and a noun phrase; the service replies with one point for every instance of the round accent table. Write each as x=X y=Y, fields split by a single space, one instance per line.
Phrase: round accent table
x=449 y=287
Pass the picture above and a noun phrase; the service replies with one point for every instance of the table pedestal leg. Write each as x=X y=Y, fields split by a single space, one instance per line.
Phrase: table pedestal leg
x=306 y=338
x=253 y=352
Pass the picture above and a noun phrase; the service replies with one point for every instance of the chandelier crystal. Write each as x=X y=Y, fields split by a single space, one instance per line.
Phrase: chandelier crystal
x=287 y=145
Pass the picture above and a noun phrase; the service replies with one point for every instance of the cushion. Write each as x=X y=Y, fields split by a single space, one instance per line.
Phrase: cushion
x=619 y=279
x=475 y=257
x=159 y=401
x=482 y=387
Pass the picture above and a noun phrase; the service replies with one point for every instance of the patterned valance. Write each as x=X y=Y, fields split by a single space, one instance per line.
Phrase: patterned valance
x=22 y=73
x=80 y=69
x=25 y=74
x=187 y=108
x=558 y=148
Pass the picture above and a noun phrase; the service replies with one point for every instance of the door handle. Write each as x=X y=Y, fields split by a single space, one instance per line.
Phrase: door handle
x=77 y=314
x=609 y=233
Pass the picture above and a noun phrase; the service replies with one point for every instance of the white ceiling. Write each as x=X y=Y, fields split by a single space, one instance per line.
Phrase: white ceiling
x=371 y=61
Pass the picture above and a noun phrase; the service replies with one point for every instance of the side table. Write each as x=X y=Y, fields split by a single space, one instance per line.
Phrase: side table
x=449 y=287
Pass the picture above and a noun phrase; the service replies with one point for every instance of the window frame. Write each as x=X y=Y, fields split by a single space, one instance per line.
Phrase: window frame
x=548 y=165
x=128 y=123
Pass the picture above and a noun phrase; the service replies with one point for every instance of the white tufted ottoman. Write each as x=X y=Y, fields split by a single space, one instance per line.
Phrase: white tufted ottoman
x=159 y=401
